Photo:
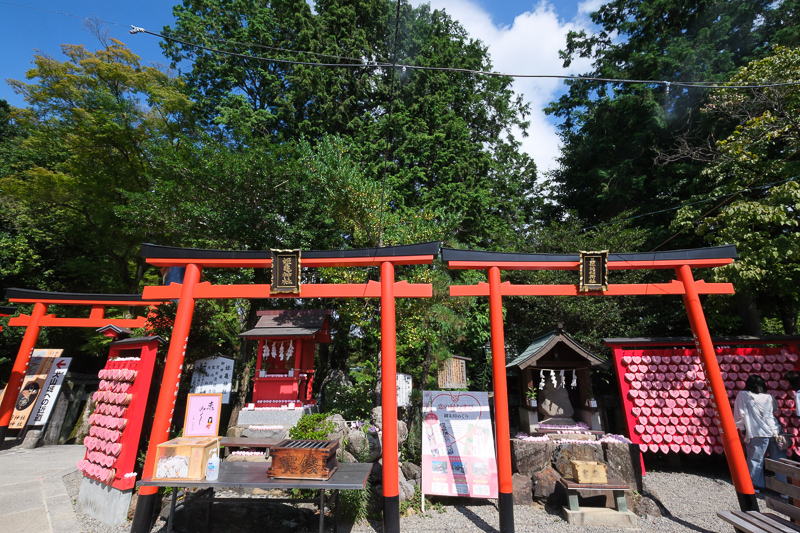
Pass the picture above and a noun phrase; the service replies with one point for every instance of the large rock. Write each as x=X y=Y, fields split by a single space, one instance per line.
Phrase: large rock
x=545 y=482
x=411 y=471
x=575 y=452
x=554 y=402
x=340 y=430
x=402 y=433
x=376 y=417
x=529 y=457
x=364 y=446
x=523 y=489
x=624 y=463
x=406 y=491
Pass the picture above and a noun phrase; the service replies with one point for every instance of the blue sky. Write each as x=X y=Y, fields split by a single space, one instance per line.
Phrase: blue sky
x=523 y=37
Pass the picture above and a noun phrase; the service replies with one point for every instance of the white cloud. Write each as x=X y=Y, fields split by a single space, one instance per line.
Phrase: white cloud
x=529 y=45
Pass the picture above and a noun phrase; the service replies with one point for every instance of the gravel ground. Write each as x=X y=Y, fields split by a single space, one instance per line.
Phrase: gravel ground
x=689 y=498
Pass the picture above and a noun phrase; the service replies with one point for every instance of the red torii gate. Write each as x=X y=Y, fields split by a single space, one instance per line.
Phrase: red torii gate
x=38 y=319
x=682 y=261
x=387 y=290
x=6 y=310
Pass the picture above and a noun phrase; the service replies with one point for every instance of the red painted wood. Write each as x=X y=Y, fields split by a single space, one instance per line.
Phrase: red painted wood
x=55 y=322
x=402 y=289
x=503 y=436
x=173 y=367
x=391 y=486
x=574 y=265
x=20 y=364
x=646 y=289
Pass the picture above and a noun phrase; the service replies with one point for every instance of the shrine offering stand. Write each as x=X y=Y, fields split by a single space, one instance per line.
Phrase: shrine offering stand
x=597 y=516
x=349 y=476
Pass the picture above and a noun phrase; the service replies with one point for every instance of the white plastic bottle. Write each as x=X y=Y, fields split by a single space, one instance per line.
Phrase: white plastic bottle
x=212 y=468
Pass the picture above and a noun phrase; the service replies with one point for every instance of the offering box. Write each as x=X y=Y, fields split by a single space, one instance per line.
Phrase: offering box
x=184 y=458
x=304 y=459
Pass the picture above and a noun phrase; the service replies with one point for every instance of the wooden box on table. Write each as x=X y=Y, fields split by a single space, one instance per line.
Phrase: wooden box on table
x=589 y=472
x=184 y=458
x=304 y=459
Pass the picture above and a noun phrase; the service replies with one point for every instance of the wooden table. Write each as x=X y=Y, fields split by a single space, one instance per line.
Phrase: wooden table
x=349 y=476
x=616 y=487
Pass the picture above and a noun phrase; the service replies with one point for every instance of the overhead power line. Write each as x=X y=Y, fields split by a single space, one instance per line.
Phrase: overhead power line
x=405 y=66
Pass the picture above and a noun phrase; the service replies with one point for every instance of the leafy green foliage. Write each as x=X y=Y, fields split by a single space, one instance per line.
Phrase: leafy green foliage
x=754 y=175
x=312 y=426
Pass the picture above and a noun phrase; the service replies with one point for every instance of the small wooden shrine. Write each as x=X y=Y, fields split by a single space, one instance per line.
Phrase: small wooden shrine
x=557 y=369
x=285 y=362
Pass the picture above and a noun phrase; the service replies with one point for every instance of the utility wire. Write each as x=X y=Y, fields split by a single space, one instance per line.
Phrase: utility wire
x=394 y=65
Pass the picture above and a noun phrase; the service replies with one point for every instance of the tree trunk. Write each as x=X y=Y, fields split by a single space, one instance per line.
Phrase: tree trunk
x=788 y=310
x=748 y=311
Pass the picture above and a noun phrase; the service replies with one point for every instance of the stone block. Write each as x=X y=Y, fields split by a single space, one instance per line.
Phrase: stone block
x=545 y=482
x=234 y=432
x=522 y=489
x=279 y=417
x=566 y=453
x=530 y=457
x=555 y=437
x=32 y=439
x=595 y=516
x=402 y=433
x=624 y=463
x=271 y=434
x=105 y=503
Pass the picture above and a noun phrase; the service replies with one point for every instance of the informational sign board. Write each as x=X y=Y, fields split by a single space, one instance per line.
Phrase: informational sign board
x=404 y=388
x=213 y=376
x=52 y=386
x=453 y=374
x=202 y=415
x=32 y=384
x=458 y=456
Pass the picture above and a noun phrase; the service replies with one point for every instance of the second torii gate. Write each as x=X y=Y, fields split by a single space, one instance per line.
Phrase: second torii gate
x=194 y=260
x=38 y=319
x=682 y=261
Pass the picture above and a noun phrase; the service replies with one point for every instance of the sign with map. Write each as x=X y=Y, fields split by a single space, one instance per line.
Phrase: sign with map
x=458 y=456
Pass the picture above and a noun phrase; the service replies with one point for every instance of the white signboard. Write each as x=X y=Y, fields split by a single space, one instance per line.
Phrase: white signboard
x=213 y=376
x=404 y=387
x=458 y=456
x=52 y=386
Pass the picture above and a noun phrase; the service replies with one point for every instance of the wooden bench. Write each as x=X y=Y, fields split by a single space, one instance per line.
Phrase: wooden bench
x=757 y=522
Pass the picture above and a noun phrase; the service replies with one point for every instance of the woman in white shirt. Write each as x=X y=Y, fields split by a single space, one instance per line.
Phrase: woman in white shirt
x=754 y=413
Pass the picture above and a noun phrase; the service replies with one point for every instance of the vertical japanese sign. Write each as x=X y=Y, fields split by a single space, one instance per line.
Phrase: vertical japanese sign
x=213 y=376
x=35 y=378
x=47 y=398
x=404 y=388
x=202 y=415
x=285 y=272
x=458 y=456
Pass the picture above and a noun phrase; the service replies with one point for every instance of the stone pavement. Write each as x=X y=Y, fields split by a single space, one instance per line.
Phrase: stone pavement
x=33 y=498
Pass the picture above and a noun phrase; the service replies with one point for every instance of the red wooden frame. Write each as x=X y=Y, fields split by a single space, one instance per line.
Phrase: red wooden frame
x=38 y=319
x=682 y=261
x=191 y=289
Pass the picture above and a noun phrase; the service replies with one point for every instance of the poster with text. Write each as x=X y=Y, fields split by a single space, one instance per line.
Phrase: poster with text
x=202 y=415
x=35 y=378
x=213 y=375
x=50 y=390
x=458 y=456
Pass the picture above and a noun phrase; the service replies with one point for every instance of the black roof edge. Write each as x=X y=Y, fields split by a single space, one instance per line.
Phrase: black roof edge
x=7 y=310
x=134 y=340
x=689 y=341
x=727 y=251
x=155 y=251
x=31 y=294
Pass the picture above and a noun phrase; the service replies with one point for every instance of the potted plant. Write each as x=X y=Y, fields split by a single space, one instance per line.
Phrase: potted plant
x=530 y=394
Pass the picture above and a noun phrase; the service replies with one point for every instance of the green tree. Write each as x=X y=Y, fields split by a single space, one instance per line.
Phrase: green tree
x=90 y=130
x=615 y=134
x=450 y=145
x=753 y=180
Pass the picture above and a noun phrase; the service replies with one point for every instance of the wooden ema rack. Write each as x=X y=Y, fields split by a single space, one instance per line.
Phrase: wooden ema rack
x=116 y=424
x=304 y=459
